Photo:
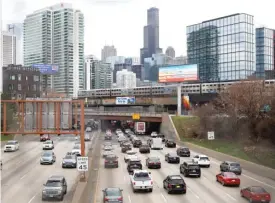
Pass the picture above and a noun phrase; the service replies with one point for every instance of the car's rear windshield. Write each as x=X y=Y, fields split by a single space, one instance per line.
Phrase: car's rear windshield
x=235 y=164
x=177 y=181
x=113 y=192
x=144 y=145
x=204 y=158
x=131 y=153
x=68 y=157
x=173 y=155
x=47 y=154
x=142 y=175
x=230 y=175
x=193 y=167
x=184 y=149
x=111 y=157
x=258 y=190
x=154 y=159
x=134 y=162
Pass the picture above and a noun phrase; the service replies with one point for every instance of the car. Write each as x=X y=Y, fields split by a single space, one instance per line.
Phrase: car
x=134 y=164
x=228 y=178
x=141 y=180
x=127 y=130
x=55 y=188
x=132 y=137
x=47 y=158
x=107 y=144
x=44 y=137
x=11 y=146
x=130 y=154
x=229 y=166
x=111 y=161
x=256 y=194
x=88 y=129
x=87 y=137
x=170 y=143
x=48 y=145
x=162 y=136
x=118 y=131
x=69 y=161
x=202 y=160
x=137 y=143
x=190 y=169
x=183 y=151
x=144 y=148
x=126 y=147
x=153 y=162
x=106 y=153
x=108 y=136
x=76 y=150
x=172 y=158
x=174 y=183
x=126 y=142
x=112 y=195
x=121 y=138
x=108 y=148
x=154 y=134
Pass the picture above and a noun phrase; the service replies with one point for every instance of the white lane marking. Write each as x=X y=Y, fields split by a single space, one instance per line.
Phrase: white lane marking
x=163 y=197
x=193 y=193
x=258 y=181
x=231 y=197
x=23 y=176
x=130 y=201
x=32 y=199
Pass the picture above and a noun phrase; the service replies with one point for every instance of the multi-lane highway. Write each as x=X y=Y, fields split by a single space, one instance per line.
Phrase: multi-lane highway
x=199 y=190
x=22 y=176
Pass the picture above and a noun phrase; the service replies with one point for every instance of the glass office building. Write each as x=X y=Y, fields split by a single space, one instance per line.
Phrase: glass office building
x=223 y=48
x=265 y=47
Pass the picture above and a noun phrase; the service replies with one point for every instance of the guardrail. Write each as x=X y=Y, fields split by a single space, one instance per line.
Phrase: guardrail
x=119 y=113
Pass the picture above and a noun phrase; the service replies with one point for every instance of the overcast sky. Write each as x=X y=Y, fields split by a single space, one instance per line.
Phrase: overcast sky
x=120 y=22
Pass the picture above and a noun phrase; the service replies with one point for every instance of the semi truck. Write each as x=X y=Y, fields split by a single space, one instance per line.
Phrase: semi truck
x=140 y=128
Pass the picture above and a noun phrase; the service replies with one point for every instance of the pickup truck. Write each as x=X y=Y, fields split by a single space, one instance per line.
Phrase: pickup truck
x=141 y=180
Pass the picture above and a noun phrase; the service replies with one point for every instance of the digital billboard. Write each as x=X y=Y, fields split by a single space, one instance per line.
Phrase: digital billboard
x=47 y=69
x=186 y=102
x=125 y=100
x=178 y=73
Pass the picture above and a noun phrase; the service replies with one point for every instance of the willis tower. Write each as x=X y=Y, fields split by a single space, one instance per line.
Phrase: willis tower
x=150 y=35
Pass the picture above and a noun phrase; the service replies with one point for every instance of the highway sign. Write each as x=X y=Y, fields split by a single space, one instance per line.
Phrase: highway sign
x=211 y=135
x=82 y=163
x=135 y=116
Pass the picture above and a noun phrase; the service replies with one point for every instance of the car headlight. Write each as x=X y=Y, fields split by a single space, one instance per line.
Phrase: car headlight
x=41 y=159
x=44 y=192
x=59 y=191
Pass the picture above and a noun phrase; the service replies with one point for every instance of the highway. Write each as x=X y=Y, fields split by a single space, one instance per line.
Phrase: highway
x=199 y=190
x=22 y=176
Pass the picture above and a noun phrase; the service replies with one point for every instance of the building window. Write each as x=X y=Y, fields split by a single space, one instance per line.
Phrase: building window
x=19 y=77
x=26 y=77
x=34 y=87
x=19 y=96
x=12 y=77
x=29 y=87
x=19 y=87
x=34 y=96
x=35 y=78
x=11 y=86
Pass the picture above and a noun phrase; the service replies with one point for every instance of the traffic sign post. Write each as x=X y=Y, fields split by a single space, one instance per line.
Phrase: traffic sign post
x=211 y=135
x=82 y=166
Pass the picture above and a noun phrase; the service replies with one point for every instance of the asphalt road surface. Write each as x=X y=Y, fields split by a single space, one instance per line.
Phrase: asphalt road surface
x=199 y=190
x=22 y=176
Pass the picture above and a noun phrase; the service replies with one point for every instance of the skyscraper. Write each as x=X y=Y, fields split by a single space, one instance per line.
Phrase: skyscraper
x=223 y=48
x=170 y=51
x=58 y=39
x=9 y=48
x=16 y=29
x=108 y=51
x=265 y=49
x=150 y=35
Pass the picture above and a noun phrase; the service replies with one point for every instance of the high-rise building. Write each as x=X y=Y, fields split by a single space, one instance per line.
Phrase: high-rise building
x=58 y=39
x=132 y=60
x=17 y=30
x=9 y=48
x=265 y=50
x=150 y=35
x=126 y=79
x=170 y=51
x=88 y=71
x=115 y=60
x=119 y=67
x=108 y=51
x=223 y=48
x=1 y=52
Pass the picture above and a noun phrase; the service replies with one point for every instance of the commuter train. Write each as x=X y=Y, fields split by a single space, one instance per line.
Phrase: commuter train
x=195 y=88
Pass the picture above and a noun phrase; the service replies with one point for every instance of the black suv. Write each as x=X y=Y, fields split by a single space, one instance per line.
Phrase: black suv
x=190 y=169
x=126 y=148
x=137 y=143
x=170 y=143
x=144 y=148
x=174 y=183
x=183 y=151
x=134 y=165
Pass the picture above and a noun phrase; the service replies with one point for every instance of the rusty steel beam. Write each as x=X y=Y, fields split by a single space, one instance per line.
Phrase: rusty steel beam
x=82 y=125
x=145 y=119
x=40 y=117
x=41 y=132
x=55 y=115
x=36 y=101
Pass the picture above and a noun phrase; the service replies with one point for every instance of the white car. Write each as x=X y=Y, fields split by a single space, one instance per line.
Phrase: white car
x=202 y=160
x=154 y=134
x=108 y=148
x=11 y=146
x=121 y=138
x=127 y=130
x=48 y=145
x=76 y=150
x=106 y=153
x=87 y=137
x=141 y=180
x=129 y=155
x=88 y=129
x=118 y=131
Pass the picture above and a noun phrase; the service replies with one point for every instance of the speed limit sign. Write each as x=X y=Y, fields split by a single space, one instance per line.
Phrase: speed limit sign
x=82 y=163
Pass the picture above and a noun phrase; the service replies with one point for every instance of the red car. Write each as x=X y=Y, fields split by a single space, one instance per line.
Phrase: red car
x=228 y=178
x=44 y=138
x=256 y=194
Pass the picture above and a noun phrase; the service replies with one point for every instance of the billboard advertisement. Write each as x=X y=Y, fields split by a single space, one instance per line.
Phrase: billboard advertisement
x=178 y=73
x=125 y=100
x=186 y=102
x=47 y=69
x=108 y=101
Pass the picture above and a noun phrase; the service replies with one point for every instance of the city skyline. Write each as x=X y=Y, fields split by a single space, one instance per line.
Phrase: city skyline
x=129 y=30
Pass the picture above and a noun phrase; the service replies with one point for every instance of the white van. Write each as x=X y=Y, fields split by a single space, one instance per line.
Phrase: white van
x=156 y=143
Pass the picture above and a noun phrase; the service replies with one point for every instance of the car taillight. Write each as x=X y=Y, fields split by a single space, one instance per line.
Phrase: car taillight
x=169 y=185
x=151 y=182
x=134 y=183
x=120 y=199
x=106 y=161
x=106 y=199
x=267 y=196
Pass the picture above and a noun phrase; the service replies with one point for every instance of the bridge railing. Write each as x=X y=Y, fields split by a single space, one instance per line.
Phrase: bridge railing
x=123 y=113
